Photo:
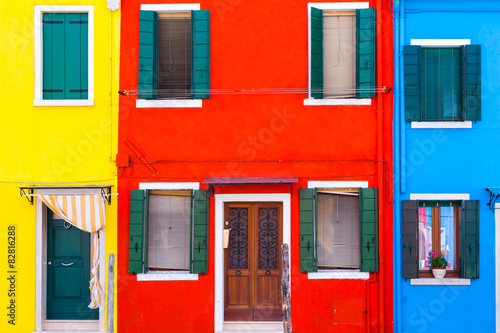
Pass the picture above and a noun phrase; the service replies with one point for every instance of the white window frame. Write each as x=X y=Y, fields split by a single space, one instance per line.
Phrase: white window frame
x=170 y=103
x=433 y=281
x=344 y=274
x=39 y=11
x=332 y=6
x=441 y=43
x=168 y=275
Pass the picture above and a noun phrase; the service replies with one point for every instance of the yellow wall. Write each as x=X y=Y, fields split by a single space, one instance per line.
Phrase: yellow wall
x=50 y=145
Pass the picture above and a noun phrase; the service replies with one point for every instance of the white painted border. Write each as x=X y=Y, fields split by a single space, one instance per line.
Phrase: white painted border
x=337 y=6
x=439 y=196
x=41 y=263
x=439 y=282
x=181 y=276
x=341 y=275
x=440 y=42
x=171 y=8
x=168 y=103
x=39 y=10
x=337 y=184
x=441 y=124
x=497 y=265
x=220 y=199
x=169 y=186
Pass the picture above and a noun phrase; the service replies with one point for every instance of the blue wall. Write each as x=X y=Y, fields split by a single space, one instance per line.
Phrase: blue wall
x=450 y=161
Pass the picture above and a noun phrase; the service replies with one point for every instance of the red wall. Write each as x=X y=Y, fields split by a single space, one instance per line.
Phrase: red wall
x=258 y=44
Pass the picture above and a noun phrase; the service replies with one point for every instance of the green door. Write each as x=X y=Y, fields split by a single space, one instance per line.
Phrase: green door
x=68 y=271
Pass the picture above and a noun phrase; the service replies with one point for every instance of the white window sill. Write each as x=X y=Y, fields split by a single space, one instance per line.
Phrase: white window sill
x=169 y=103
x=63 y=102
x=439 y=282
x=337 y=101
x=441 y=124
x=167 y=277
x=330 y=275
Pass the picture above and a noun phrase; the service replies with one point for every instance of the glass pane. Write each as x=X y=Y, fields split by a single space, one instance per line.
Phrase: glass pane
x=448 y=235
x=424 y=236
x=238 y=238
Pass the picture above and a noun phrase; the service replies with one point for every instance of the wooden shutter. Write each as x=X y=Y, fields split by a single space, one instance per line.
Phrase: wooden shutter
x=308 y=235
x=199 y=256
x=200 y=54
x=469 y=249
x=65 y=56
x=148 y=26
x=412 y=82
x=368 y=229
x=316 y=53
x=137 y=236
x=409 y=237
x=365 y=53
x=471 y=89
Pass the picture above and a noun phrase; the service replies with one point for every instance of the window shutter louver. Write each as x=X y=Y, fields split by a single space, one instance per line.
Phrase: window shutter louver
x=316 y=53
x=368 y=229
x=136 y=237
x=199 y=231
x=412 y=82
x=469 y=251
x=200 y=54
x=148 y=26
x=409 y=239
x=308 y=230
x=471 y=89
x=365 y=53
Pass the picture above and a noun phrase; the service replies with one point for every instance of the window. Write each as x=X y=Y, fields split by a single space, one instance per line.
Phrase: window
x=342 y=52
x=174 y=54
x=339 y=229
x=64 y=55
x=446 y=227
x=168 y=231
x=442 y=83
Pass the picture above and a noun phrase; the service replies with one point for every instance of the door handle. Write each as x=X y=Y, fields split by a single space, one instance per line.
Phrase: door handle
x=50 y=263
x=66 y=265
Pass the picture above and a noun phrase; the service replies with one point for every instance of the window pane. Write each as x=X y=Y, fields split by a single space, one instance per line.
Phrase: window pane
x=339 y=62
x=448 y=235
x=168 y=234
x=338 y=230
x=424 y=236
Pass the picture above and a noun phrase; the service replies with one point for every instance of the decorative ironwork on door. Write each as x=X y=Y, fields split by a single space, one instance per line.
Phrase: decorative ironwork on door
x=268 y=238
x=238 y=238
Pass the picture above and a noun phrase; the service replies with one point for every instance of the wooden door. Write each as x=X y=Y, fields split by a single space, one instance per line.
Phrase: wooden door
x=68 y=271
x=253 y=262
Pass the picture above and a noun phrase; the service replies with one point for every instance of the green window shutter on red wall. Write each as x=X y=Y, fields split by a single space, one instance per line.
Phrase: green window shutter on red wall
x=368 y=229
x=136 y=232
x=365 y=53
x=410 y=239
x=65 y=56
x=200 y=54
x=199 y=230
x=308 y=235
x=412 y=82
x=469 y=246
x=471 y=89
x=316 y=53
x=148 y=26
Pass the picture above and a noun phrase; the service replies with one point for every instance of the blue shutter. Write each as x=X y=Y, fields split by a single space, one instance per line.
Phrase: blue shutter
x=148 y=26
x=200 y=54
x=412 y=82
x=316 y=53
x=368 y=229
x=409 y=238
x=365 y=53
x=472 y=82
x=470 y=240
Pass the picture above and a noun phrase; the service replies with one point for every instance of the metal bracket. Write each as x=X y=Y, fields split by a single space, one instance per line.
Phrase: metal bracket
x=493 y=199
x=211 y=191
x=106 y=193
x=30 y=192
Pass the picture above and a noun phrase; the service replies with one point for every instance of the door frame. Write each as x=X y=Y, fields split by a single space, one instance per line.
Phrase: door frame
x=220 y=200
x=41 y=323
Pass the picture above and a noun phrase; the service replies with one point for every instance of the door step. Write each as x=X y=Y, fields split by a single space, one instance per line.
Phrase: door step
x=253 y=327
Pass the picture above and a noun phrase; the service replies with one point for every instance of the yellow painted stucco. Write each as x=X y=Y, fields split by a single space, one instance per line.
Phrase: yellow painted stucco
x=52 y=146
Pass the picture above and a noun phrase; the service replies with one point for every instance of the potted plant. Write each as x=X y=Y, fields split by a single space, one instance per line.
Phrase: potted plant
x=438 y=264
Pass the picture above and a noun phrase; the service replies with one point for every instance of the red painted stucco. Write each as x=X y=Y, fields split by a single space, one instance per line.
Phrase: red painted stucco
x=258 y=44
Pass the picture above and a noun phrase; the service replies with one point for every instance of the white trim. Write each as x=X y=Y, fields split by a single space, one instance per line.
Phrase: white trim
x=41 y=264
x=336 y=184
x=439 y=282
x=220 y=199
x=169 y=103
x=441 y=124
x=167 y=277
x=170 y=8
x=337 y=101
x=440 y=42
x=342 y=275
x=169 y=186
x=39 y=10
x=497 y=265
x=439 y=196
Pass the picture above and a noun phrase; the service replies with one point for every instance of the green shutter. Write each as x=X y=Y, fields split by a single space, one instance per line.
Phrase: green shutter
x=471 y=89
x=148 y=26
x=308 y=230
x=200 y=54
x=316 y=53
x=412 y=82
x=365 y=53
x=368 y=229
x=136 y=236
x=409 y=235
x=199 y=231
x=469 y=251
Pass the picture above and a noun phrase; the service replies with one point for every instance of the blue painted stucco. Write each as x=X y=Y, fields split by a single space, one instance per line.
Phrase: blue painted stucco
x=449 y=161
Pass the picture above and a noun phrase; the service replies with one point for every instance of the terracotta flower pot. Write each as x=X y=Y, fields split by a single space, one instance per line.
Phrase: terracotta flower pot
x=439 y=273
